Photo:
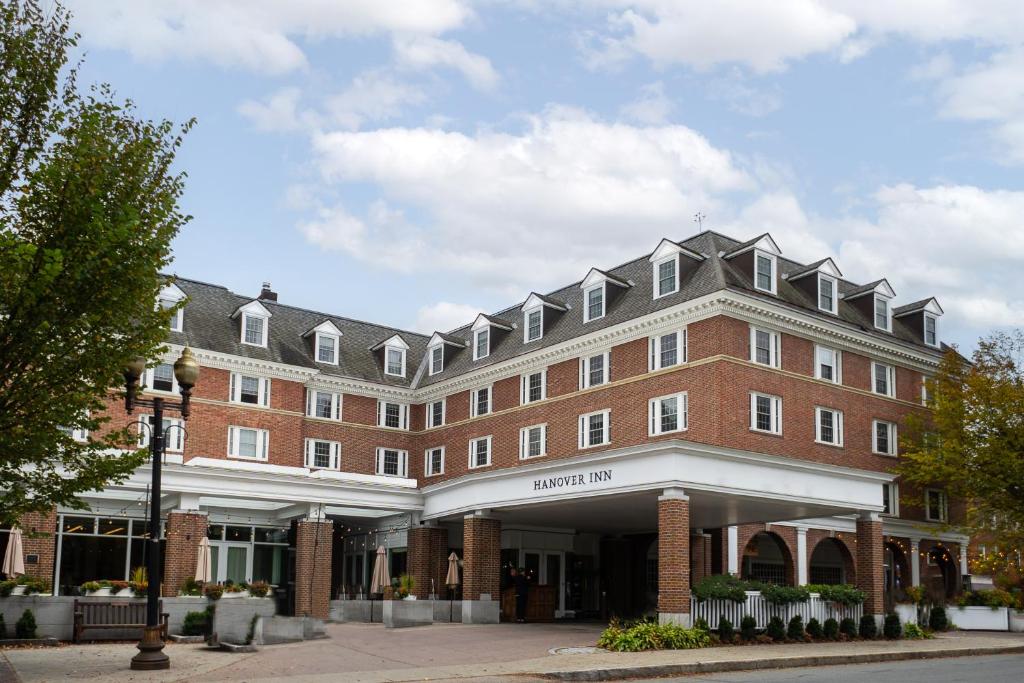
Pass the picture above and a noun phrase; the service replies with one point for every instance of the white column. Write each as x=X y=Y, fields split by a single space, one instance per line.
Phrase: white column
x=801 y=556
x=965 y=569
x=915 y=561
x=732 y=541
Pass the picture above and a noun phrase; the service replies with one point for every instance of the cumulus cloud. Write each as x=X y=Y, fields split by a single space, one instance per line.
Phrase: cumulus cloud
x=278 y=113
x=652 y=107
x=372 y=96
x=426 y=52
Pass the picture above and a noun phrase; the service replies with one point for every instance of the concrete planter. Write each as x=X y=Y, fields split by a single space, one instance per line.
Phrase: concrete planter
x=240 y=594
x=980 y=618
x=101 y=593
x=405 y=613
x=1017 y=621
x=125 y=593
x=18 y=590
x=906 y=613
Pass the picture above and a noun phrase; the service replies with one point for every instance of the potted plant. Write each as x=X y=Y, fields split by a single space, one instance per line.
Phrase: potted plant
x=986 y=610
x=191 y=588
x=235 y=590
x=90 y=587
x=7 y=588
x=259 y=589
x=213 y=591
x=139 y=581
x=121 y=589
x=406 y=584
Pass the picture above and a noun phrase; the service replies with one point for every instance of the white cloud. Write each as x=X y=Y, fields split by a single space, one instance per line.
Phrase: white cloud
x=443 y=317
x=425 y=52
x=372 y=96
x=735 y=90
x=278 y=113
x=652 y=107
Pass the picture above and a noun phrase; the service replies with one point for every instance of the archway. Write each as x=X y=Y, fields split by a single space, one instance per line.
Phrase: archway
x=766 y=558
x=896 y=572
x=941 y=574
x=831 y=563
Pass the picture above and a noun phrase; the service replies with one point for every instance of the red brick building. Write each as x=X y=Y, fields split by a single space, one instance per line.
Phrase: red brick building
x=710 y=407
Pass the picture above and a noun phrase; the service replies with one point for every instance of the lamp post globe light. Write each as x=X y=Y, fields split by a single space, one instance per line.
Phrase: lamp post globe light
x=186 y=371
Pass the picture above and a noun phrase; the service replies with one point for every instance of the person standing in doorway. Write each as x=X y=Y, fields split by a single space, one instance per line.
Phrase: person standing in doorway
x=522 y=587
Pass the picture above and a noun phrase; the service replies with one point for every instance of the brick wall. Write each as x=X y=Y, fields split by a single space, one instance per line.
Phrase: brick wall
x=184 y=530
x=673 y=555
x=700 y=557
x=313 y=549
x=481 y=547
x=428 y=559
x=870 y=553
x=38 y=538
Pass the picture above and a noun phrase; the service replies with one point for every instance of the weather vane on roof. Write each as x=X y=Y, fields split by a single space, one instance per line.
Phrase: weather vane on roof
x=698 y=218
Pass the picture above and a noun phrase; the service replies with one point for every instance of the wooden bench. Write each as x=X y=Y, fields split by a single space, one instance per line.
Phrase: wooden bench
x=115 y=614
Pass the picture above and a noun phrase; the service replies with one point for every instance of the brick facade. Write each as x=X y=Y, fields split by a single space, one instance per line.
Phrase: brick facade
x=313 y=550
x=673 y=554
x=481 y=547
x=37 y=539
x=428 y=559
x=700 y=557
x=870 y=553
x=184 y=530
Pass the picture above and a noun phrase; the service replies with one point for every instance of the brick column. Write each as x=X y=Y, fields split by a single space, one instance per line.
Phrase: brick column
x=700 y=556
x=313 y=546
x=674 y=557
x=870 y=556
x=39 y=540
x=481 y=569
x=185 y=528
x=428 y=559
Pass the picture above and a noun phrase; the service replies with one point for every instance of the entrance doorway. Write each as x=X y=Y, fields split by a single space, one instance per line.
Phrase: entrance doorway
x=546 y=568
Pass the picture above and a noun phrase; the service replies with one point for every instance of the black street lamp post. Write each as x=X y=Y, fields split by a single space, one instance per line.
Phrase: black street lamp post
x=186 y=370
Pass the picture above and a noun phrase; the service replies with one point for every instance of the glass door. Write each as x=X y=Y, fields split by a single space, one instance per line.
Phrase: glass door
x=229 y=562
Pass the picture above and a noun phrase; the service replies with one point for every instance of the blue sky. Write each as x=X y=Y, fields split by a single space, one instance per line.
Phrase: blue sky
x=413 y=163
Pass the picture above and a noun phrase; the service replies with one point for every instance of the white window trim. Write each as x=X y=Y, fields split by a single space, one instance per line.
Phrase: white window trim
x=524 y=441
x=837 y=426
x=476 y=348
x=266 y=329
x=262 y=443
x=316 y=347
x=837 y=369
x=894 y=499
x=893 y=449
x=433 y=368
x=654 y=348
x=311 y=405
x=524 y=386
x=924 y=332
x=776 y=414
x=774 y=347
x=774 y=274
x=924 y=388
x=526 y=324
x=403 y=414
x=174 y=434
x=585 y=370
x=584 y=429
x=387 y=351
x=944 y=507
x=586 y=302
x=888 y=312
x=403 y=463
x=890 y=379
x=149 y=376
x=473 y=402
x=78 y=434
x=177 y=323
x=472 y=452
x=262 y=392
x=426 y=462
x=654 y=414
x=835 y=294
x=656 y=278
x=430 y=413
x=335 y=454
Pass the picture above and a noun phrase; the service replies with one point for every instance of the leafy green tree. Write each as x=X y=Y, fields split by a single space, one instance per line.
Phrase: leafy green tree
x=88 y=209
x=972 y=443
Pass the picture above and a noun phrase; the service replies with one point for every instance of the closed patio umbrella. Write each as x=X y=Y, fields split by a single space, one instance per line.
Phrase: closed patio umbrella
x=452 y=580
x=14 y=559
x=380 y=579
x=204 y=569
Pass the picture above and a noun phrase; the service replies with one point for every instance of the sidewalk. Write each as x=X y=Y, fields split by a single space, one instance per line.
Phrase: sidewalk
x=370 y=654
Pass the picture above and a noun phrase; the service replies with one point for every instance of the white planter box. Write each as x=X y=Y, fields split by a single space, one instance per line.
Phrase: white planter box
x=404 y=613
x=101 y=593
x=980 y=618
x=18 y=590
x=125 y=593
x=907 y=613
x=1016 y=621
x=239 y=594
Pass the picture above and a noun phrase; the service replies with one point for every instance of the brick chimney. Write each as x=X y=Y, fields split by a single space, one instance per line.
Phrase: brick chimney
x=267 y=294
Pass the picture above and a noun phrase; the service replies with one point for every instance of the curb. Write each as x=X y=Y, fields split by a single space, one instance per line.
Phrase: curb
x=619 y=673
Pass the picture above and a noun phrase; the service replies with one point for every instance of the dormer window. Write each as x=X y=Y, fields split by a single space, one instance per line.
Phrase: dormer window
x=931 y=329
x=393 y=352
x=827 y=299
x=764 y=271
x=597 y=294
x=758 y=258
x=436 y=359
x=538 y=311
x=255 y=323
x=594 y=298
x=169 y=297
x=481 y=343
x=533 y=325
x=666 y=276
x=484 y=329
x=921 y=317
x=326 y=348
x=883 y=314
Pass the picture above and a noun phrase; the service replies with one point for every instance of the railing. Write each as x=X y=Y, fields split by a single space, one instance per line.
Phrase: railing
x=762 y=611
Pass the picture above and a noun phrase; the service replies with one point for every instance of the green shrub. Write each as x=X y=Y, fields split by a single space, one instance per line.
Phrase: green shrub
x=213 y=591
x=814 y=628
x=721 y=587
x=840 y=594
x=648 y=635
x=868 y=627
x=831 y=628
x=748 y=627
x=776 y=629
x=259 y=589
x=6 y=587
x=26 y=626
x=848 y=627
x=725 y=630
x=892 y=629
x=196 y=623
x=937 y=620
x=795 y=630
x=3 y=628
x=680 y=638
x=702 y=624
x=785 y=595
x=988 y=598
x=912 y=631
x=191 y=587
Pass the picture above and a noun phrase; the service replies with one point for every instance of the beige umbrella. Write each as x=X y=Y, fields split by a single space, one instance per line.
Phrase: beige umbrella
x=452 y=579
x=14 y=560
x=204 y=569
x=380 y=579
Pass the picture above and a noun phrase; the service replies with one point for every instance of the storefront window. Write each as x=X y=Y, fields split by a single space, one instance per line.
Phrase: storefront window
x=79 y=525
x=239 y=534
x=99 y=548
x=268 y=563
x=215 y=532
x=398 y=563
x=271 y=535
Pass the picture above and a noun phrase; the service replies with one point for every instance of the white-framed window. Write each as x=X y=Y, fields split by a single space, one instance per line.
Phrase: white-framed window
x=76 y=433
x=480 y=401
x=883 y=379
x=433 y=461
x=883 y=313
x=931 y=329
x=248 y=443
x=668 y=414
x=883 y=437
x=828 y=426
x=327 y=348
x=394 y=361
x=828 y=364
x=435 y=413
x=323 y=404
x=533 y=324
x=926 y=389
x=533 y=441
x=765 y=347
x=436 y=359
x=249 y=389
x=392 y=414
x=936 y=507
x=666 y=276
x=323 y=455
x=161 y=377
x=533 y=386
x=254 y=329
x=593 y=302
x=482 y=343
x=174 y=434
x=667 y=350
x=765 y=413
x=595 y=370
x=764 y=271
x=595 y=429
x=392 y=462
x=480 y=452
x=891 y=499
x=828 y=299
x=177 y=320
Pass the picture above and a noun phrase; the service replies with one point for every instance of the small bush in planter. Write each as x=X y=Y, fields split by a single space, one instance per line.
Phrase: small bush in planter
x=748 y=628
x=795 y=630
x=868 y=627
x=776 y=629
x=118 y=586
x=725 y=630
x=937 y=620
x=892 y=629
x=848 y=627
x=6 y=587
x=831 y=628
x=259 y=589
x=912 y=631
x=196 y=623
x=814 y=628
x=213 y=591
x=406 y=584
x=90 y=586
x=191 y=587
x=26 y=626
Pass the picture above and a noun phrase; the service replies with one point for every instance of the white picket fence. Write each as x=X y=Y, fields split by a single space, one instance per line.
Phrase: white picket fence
x=756 y=606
